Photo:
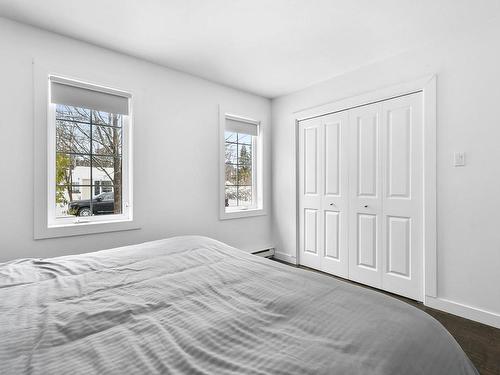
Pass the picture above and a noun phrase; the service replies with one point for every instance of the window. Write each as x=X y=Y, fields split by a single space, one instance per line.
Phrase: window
x=239 y=181
x=76 y=189
x=102 y=187
x=242 y=177
x=88 y=169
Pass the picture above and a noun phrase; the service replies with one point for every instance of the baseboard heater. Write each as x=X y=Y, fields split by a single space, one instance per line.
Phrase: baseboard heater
x=265 y=253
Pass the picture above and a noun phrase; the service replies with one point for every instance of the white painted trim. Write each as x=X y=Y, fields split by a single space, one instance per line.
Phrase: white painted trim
x=257 y=168
x=465 y=311
x=430 y=186
x=285 y=257
x=365 y=98
x=86 y=228
x=43 y=188
x=427 y=86
x=241 y=213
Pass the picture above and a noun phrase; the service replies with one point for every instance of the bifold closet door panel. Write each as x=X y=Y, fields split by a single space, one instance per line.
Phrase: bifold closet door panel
x=335 y=202
x=323 y=194
x=402 y=222
x=310 y=182
x=365 y=188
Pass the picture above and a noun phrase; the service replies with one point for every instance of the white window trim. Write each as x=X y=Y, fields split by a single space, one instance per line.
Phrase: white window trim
x=52 y=222
x=257 y=169
x=44 y=156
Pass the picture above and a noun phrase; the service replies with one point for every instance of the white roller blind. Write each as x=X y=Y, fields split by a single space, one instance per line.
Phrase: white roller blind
x=88 y=96
x=241 y=126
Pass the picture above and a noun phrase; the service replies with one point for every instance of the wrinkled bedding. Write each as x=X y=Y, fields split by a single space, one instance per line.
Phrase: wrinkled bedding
x=192 y=305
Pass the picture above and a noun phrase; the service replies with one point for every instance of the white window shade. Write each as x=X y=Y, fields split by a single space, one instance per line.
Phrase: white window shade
x=242 y=126
x=87 y=96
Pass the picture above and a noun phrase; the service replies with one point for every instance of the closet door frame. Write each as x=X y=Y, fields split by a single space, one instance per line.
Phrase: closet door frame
x=427 y=86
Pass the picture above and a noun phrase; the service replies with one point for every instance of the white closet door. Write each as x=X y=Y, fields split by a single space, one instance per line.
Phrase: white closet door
x=365 y=181
x=401 y=144
x=311 y=180
x=335 y=202
x=361 y=196
x=323 y=199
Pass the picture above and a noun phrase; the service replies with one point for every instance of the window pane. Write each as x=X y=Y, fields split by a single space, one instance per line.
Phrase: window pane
x=73 y=200
x=244 y=154
x=245 y=196
x=72 y=169
x=72 y=137
x=70 y=113
x=104 y=118
x=245 y=139
x=107 y=187
x=231 y=174
x=244 y=175
x=106 y=140
x=106 y=168
x=231 y=153
x=231 y=193
x=102 y=186
x=231 y=137
x=75 y=189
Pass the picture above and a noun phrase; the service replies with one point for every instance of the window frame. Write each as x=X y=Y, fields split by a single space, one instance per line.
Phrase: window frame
x=258 y=207
x=52 y=221
x=44 y=171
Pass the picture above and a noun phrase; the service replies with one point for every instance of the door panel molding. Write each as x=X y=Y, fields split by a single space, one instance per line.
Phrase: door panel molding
x=331 y=233
x=367 y=155
x=366 y=241
x=311 y=231
x=332 y=158
x=398 y=237
x=399 y=160
x=311 y=156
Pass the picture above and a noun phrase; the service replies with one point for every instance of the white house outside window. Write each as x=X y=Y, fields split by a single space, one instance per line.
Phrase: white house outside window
x=88 y=153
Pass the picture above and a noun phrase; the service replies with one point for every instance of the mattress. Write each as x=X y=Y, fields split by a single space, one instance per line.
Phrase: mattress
x=193 y=305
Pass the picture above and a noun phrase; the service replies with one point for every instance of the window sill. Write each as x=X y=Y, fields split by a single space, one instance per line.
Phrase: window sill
x=83 y=228
x=240 y=213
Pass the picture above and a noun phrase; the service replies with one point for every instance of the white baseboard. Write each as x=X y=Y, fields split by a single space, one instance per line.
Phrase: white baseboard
x=468 y=312
x=285 y=257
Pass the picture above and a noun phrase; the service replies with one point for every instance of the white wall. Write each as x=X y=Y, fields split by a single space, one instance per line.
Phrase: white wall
x=175 y=147
x=468 y=199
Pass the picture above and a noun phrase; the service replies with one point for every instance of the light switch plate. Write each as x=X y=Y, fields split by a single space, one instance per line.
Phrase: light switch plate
x=459 y=159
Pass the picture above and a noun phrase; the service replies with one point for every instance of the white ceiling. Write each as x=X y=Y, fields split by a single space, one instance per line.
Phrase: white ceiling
x=268 y=47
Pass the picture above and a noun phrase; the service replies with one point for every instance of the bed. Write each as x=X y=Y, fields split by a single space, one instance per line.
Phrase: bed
x=193 y=305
